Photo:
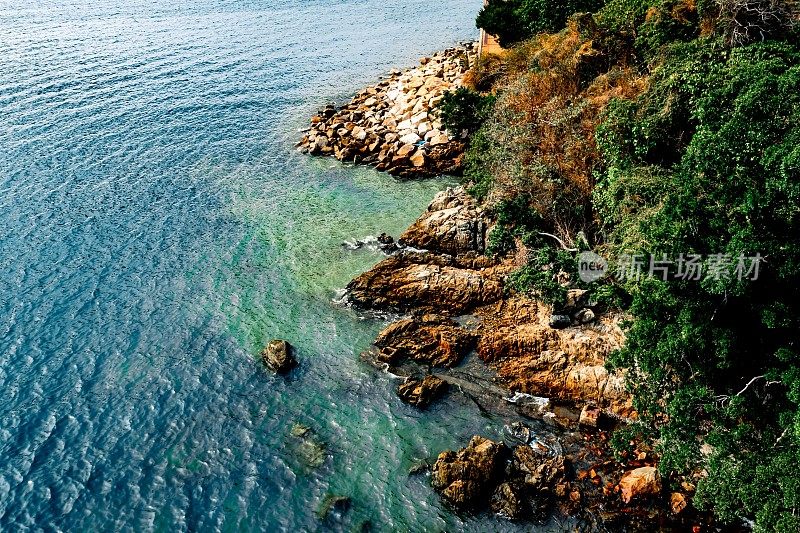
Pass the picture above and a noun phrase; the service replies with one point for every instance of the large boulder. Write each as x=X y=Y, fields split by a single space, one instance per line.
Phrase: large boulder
x=468 y=477
x=644 y=481
x=278 y=356
x=421 y=392
x=453 y=224
x=426 y=339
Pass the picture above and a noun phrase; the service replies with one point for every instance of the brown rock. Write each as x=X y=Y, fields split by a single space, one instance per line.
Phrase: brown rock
x=420 y=393
x=277 y=355
x=565 y=365
x=418 y=159
x=540 y=472
x=678 y=502
x=510 y=501
x=465 y=478
x=427 y=339
x=644 y=481
x=590 y=414
x=453 y=224
x=423 y=281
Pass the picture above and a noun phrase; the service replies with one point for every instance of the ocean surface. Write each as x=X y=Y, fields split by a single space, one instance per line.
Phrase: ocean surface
x=157 y=229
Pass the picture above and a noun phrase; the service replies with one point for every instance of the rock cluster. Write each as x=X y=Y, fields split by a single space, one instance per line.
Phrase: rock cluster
x=441 y=274
x=421 y=392
x=514 y=482
x=394 y=125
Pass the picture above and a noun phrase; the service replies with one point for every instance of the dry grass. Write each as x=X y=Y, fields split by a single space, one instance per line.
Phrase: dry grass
x=555 y=88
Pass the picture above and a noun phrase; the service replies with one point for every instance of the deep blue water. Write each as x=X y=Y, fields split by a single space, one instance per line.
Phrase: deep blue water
x=157 y=229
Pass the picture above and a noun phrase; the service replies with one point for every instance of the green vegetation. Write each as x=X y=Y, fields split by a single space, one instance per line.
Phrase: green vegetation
x=515 y=20
x=663 y=128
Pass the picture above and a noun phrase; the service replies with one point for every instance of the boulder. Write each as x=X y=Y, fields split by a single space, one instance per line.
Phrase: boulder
x=277 y=355
x=644 y=481
x=418 y=159
x=540 y=472
x=453 y=224
x=510 y=500
x=422 y=392
x=468 y=477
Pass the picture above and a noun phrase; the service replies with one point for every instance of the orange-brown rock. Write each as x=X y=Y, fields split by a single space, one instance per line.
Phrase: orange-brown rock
x=565 y=365
x=421 y=392
x=644 y=481
x=427 y=282
x=466 y=478
x=427 y=339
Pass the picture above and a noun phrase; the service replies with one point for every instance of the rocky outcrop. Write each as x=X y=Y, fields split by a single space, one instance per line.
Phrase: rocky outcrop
x=512 y=482
x=422 y=392
x=566 y=365
x=426 y=282
x=394 y=125
x=465 y=478
x=427 y=339
x=453 y=224
x=278 y=356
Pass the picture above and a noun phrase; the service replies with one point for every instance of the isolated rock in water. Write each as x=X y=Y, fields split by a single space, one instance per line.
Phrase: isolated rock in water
x=426 y=339
x=644 y=481
x=308 y=448
x=420 y=393
x=510 y=500
x=277 y=355
x=468 y=477
x=453 y=224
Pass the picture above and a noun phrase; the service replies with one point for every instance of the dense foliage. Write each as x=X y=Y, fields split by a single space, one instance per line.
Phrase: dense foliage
x=667 y=129
x=464 y=110
x=513 y=21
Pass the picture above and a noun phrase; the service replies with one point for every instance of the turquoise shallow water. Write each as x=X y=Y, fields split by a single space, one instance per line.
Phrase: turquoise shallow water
x=158 y=229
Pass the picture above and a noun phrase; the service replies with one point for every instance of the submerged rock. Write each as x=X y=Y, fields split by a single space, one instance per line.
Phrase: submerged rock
x=307 y=447
x=468 y=477
x=277 y=355
x=420 y=393
x=333 y=506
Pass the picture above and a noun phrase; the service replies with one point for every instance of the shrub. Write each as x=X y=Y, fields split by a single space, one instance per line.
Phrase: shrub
x=464 y=110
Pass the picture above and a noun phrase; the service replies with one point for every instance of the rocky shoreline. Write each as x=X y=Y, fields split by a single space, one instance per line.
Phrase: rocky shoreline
x=393 y=125
x=454 y=306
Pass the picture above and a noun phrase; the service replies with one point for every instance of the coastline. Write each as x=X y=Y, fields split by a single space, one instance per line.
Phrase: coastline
x=456 y=315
